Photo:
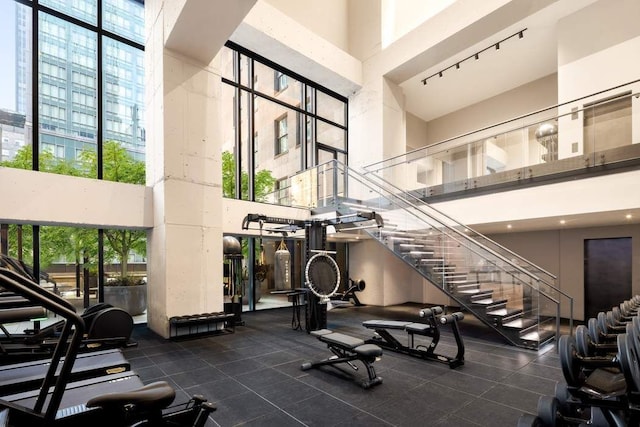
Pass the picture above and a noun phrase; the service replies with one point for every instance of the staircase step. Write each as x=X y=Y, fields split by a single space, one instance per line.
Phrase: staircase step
x=538 y=336
x=487 y=301
x=503 y=312
x=469 y=285
x=521 y=323
x=468 y=291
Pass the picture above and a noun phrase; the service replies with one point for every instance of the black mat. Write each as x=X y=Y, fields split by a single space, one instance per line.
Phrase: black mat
x=254 y=375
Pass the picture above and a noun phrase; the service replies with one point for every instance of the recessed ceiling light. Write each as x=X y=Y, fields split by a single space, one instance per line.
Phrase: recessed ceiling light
x=628 y=216
x=508 y=225
x=563 y=222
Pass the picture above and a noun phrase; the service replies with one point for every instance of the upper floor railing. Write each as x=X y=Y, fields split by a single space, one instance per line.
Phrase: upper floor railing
x=582 y=135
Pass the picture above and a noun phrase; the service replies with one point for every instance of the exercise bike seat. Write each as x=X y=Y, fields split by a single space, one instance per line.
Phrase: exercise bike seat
x=155 y=396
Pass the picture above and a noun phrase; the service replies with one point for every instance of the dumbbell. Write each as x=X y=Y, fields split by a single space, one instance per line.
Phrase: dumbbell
x=588 y=347
x=575 y=367
x=431 y=312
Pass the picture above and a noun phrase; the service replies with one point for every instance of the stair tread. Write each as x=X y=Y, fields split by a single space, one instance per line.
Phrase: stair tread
x=537 y=336
x=520 y=323
x=482 y=301
x=502 y=312
x=468 y=291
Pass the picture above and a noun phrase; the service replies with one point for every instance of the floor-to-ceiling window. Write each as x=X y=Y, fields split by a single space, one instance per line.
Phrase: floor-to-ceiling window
x=276 y=123
x=72 y=102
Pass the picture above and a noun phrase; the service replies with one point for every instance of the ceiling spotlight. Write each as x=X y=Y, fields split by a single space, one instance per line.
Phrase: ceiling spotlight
x=477 y=56
x=508 y=225
x=521 y=34
x=628 y=216
x=458 y=66
x=424 y=82
x=440 y=74
x=497 y=46
x=563 y=222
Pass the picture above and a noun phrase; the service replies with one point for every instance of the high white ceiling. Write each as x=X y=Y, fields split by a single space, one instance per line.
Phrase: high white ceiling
x=517 y=62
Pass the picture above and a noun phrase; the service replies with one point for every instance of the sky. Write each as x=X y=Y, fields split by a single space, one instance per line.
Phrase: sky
x=7 y=54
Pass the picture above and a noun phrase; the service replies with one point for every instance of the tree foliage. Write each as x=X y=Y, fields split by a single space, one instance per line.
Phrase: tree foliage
x=264 y=181
x=74 y=243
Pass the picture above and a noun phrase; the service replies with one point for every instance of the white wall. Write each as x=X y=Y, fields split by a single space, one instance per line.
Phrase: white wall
x=561 y=252
x=364 y=28
x=327 y=18
x=584 y=196
x=416 y=132
x=50 y=199
x=402 y=16
x=597 y=49
x=525 y=99
x=269 y=32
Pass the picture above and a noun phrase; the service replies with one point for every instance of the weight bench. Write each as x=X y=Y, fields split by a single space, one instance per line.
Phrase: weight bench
x=347 y=349
x=430 y=328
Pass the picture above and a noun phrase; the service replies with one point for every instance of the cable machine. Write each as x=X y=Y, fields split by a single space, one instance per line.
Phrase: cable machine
x=322 y=274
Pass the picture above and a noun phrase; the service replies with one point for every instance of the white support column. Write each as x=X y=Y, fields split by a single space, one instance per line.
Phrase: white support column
x=183 y=156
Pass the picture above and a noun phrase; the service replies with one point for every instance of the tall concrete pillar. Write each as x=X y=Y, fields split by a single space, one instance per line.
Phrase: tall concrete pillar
x=183 y=155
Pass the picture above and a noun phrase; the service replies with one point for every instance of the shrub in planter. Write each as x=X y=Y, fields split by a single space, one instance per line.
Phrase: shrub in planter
x=127 y=293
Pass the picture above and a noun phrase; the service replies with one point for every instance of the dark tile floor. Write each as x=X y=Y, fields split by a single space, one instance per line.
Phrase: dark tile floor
x=254 y=375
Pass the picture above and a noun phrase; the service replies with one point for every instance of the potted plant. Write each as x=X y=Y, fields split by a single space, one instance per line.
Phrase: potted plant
x=126 y=292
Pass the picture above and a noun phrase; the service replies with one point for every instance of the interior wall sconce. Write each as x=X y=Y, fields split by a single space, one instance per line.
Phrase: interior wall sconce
x=476 y=55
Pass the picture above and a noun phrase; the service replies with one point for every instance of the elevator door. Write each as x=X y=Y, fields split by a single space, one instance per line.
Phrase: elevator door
x=607 y=274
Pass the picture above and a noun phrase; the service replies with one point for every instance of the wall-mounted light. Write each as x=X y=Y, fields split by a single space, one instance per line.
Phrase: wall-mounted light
x=476 y=55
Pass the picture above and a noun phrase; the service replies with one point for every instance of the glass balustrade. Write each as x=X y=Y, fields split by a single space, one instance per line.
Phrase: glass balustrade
x=516 y=298
x=569 y=139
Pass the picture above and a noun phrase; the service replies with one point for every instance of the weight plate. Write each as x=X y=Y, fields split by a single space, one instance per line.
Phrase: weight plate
x=547 y=410
x=582 y=340
x=594 y=330
x=629 y=361
x=615 y=313
x=567 y=350
x=602 y=322
x=570 y=369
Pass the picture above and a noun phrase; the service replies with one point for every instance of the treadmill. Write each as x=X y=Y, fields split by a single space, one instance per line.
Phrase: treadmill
x=21 y=377
x=119 y=399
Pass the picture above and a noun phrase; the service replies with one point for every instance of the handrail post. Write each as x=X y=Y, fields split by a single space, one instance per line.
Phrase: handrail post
x=557 y=324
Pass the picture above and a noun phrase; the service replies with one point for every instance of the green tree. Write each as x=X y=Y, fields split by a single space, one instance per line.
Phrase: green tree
x=47 y=162
x=264 y=181
x=119 y=166
x=77 y=243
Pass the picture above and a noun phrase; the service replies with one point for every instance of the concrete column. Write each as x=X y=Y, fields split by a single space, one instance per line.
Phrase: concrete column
x=184 y=157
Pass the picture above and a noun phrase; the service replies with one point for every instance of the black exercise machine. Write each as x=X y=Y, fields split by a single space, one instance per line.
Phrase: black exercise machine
x=21 y=377
x=431 y=328
x=342 y=299
x=347 y=349
x=322 y=276
x=106 y=327
x=113 y=400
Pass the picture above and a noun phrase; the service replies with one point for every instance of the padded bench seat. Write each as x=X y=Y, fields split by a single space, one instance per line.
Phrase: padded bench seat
x=197 y=324
x=347 y=349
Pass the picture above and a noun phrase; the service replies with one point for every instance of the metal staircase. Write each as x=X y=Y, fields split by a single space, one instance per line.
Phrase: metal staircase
x=517 y=299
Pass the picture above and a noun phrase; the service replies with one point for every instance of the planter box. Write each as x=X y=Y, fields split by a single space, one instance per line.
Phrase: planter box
x=132 y=299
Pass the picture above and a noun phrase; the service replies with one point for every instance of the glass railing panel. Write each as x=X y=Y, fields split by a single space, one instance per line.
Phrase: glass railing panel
x=439 y=248
x=591 y=131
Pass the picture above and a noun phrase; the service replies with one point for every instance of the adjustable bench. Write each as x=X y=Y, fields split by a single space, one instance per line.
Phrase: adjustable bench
x=346 y=349
x=430 y=328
